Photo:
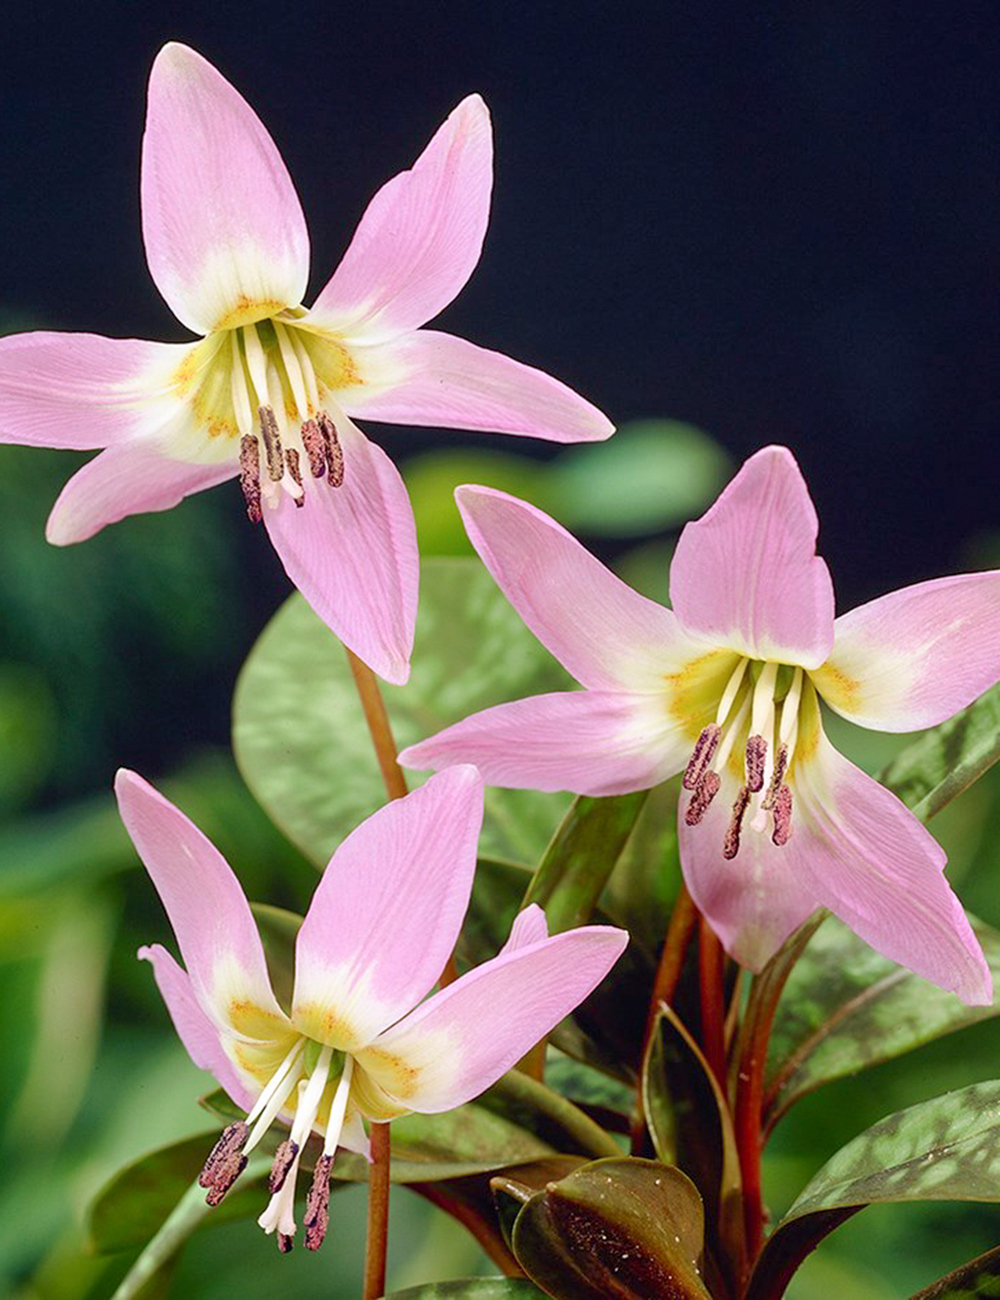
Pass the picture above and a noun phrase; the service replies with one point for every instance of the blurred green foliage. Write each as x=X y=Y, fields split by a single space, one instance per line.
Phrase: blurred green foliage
x=125 y=649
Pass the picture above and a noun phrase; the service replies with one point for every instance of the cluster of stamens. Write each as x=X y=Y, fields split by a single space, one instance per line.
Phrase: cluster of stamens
x=228 y=1158
x=305 y=437
x=764 y=793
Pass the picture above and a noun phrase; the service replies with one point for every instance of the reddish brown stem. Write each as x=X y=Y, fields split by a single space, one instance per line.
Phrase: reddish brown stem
x=377 y=1237
x=710 y=975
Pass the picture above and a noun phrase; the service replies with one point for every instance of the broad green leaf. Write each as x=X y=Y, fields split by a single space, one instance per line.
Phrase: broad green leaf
x=299 y=733
x=979 y=1277
x=471 y=1288
x=946 y=760
x=945 y=1149
x=622 y=1227
x=515 y=1187
x=845 y=1008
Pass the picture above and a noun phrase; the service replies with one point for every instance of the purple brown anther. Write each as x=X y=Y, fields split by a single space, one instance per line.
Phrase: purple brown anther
x=782 y=816
x=317 y=1217
x=777 y=777
x=225 y=1162
x=708 y=788
x=285 y=1243
x=272 y=444
x=315 y=448
x=284 y=1158
x=704 y=751
x=731 y=844
x=250 y=476
x=333 y=450
x=756 y=757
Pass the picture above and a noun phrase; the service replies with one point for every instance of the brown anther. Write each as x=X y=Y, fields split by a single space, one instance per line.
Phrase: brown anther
x=317 y=1217
x=782 y=816
x=250 y=475
x=284 y=1158
x=704 y=751
x=777 y=776
x=731 y=844
x=272 y=443
x=334 y=451
x=285 y=1243
x=708 y=788
x=315 y=448
x=295 y=471
x=756 y=757
x=225 y=1162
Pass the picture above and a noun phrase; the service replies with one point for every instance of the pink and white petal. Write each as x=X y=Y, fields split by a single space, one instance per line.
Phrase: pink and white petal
x=530 y=926
x=207 y=908
x=589 y=742
x=864 y=855
x=754 y=901
x=352 y=552
x=84 y=391
x=914 y=657
x=131 y=479
x=603 y=632
x=429 y=378
x=387 y=912
x=466 y=1036
x=420 y=237
x=225 y=236
x=746 y=574
x=194 y=1028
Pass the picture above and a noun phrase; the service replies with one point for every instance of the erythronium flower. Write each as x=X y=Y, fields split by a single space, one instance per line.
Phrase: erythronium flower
x=267 y=392
x=726 y=688
x=380 y=928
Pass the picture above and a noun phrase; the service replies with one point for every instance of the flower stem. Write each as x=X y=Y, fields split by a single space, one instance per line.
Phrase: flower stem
x=710 y=973
x=377 y=1238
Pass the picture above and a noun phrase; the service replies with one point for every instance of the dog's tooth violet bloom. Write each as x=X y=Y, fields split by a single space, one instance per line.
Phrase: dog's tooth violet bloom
x=267 y=392
x=359 y=1039
x=725 y=688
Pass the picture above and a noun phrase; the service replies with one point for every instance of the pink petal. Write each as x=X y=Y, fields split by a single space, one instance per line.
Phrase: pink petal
x=428 y=378
x=606 y=634
x=206 y=906
x=420 y=237
x=82 y=390
x=194 y=1028
x=126 y=480
x=864 y=855
x=466 y=1036
x=754 y=901
x=387 y=912
x=225 y=236
x=913 y=658
x=352 y=552
x=530 y=926
x=590 y=742
x=746 y=574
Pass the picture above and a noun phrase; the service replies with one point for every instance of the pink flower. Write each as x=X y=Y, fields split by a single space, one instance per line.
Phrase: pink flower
x=268 y=391
x=726 y=688
x=380 y=928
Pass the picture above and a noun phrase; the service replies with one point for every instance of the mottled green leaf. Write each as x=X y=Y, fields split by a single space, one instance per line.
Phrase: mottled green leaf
x=299 y=733
x=622 y=1227
x=515 y=1187
x=845 y=1007
x=979 y=1277
x=471 y=1288
x=946 y=760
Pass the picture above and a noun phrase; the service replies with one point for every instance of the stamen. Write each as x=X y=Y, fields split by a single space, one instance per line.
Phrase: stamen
x=707 y=789
x=279 y=1077
x=238 y=383
x=731 y=735
x=256 y=363
x=780 y=768
x=306 y=366
x=782 y=816
x=315 y=448
x=250 y=476
x=731 y=844
x=295 y=470
x=284 y=1158
x=704 y=748
x=756 y=758
x=272 y=443
x=285 y=1243
x=790 y=711
x=280 y=1212
x=292 y=369
x=317 y=1216
x=333 y=449
x=225 y=1162
x=729 y=694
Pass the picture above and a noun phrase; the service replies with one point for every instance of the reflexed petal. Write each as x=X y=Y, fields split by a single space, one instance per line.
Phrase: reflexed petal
x=865 y=856
x=428 y=378
x=463 y=1038
x=420 y=237
x=754 y=901
x=387 y=912
x=225 y=236
x=194 y=1028
x=606 y=634
x=746 y=574
x=353 y=1136
x=127 y=480
x=207 y=909
x=590 y=742
x=913 y=658
x=530 y=926
x=83 y=391
x=352 y=552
